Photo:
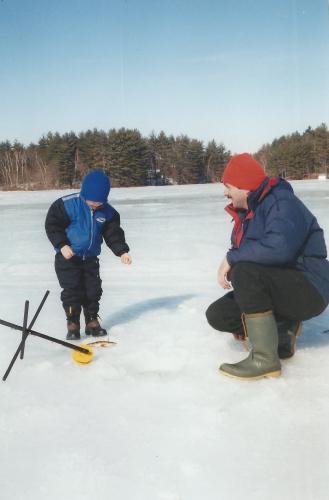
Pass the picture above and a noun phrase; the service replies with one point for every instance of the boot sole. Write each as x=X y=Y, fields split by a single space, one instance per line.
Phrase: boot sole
x=274 y=374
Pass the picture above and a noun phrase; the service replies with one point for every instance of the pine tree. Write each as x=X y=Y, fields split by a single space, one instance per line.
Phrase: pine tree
x=129 y=157
x=216 y=157
x=67 y=159
x=189 y=160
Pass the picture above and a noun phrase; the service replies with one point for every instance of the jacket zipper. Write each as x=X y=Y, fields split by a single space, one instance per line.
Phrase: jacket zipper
x=91 y=231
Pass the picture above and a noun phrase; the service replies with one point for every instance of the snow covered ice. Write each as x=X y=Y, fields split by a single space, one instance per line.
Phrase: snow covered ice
x=152 y=418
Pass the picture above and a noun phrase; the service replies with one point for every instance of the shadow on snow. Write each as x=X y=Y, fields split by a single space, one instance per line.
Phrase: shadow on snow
x=136 y=310
x=315 y=332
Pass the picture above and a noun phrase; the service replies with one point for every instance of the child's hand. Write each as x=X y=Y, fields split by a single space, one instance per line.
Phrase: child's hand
x=67 y=252
x=126 y=258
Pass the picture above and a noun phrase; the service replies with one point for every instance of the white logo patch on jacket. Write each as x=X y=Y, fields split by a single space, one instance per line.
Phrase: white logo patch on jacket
x=101 y=219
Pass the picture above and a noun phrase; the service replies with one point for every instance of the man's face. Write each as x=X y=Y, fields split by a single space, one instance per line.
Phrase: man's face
x=237 y=196
x=94 y=204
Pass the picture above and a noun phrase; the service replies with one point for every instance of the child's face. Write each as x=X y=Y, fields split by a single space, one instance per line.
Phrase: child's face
x=94 y=204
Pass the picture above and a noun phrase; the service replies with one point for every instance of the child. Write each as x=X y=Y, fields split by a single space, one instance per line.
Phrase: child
x=76 y=225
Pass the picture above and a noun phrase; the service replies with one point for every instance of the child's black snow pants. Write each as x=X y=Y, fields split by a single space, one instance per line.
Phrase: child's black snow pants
x=258 y=288
x=81 y=284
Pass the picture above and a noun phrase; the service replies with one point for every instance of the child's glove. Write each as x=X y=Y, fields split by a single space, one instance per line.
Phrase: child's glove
x=126 y=258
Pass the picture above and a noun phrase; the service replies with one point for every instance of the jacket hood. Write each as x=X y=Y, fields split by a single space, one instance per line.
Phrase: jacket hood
x=273 y=185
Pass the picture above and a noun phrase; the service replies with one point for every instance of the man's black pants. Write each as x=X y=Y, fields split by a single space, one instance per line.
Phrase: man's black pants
x=258 y=288
x=81 y=284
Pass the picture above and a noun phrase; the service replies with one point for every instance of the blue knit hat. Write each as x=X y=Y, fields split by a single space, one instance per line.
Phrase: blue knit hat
x=96 y=186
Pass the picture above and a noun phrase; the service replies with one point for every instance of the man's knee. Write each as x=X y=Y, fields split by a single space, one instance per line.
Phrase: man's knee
x=214 y=316
x=210 y=314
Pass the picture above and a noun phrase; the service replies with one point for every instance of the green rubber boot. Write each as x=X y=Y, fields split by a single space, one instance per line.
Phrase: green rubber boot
x=288 y=332
x=263 y=360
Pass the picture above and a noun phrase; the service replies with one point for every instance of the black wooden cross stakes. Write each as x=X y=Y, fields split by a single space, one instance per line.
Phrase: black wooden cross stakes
x=28 y=331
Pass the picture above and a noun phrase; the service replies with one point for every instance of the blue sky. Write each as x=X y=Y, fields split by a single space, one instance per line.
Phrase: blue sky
x=241 y=72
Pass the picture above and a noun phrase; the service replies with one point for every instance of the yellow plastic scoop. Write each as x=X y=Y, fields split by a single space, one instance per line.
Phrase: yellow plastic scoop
x=81 y=357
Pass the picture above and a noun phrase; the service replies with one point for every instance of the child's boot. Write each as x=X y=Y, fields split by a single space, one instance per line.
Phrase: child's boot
x=93 y=326
x=73 y=329
x=73 y=322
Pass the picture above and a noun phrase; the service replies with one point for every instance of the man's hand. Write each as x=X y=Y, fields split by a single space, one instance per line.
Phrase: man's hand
x=126 y=258
x=67 y=252
x=222 y=274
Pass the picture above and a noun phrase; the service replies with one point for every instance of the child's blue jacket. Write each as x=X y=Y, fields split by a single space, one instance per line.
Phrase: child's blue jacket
x=279 y=230
x=70 y=221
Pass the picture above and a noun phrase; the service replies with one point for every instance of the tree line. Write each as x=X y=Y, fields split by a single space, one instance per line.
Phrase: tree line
x=59 y=161
x=297 y=156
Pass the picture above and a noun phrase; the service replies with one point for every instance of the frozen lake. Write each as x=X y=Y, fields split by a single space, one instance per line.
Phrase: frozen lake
x=152 y=418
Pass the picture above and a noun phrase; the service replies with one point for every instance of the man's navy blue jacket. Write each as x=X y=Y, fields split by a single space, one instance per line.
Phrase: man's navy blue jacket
x=70 y=221
x=279 y=230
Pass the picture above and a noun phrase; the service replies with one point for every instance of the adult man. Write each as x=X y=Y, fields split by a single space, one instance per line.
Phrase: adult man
x=277 y=266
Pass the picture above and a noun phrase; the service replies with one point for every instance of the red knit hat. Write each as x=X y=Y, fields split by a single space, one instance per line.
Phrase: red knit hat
x=244 y=172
